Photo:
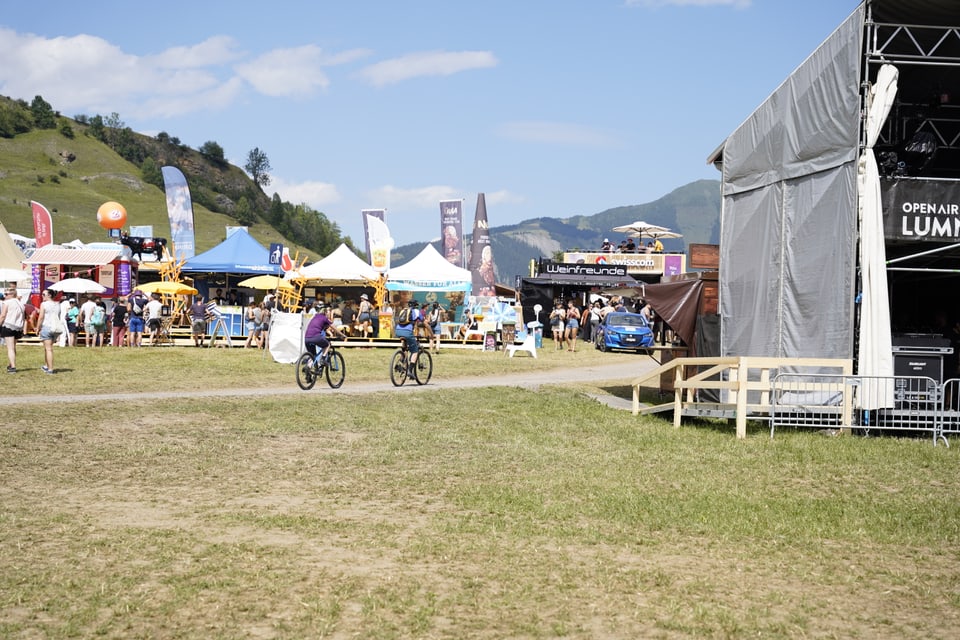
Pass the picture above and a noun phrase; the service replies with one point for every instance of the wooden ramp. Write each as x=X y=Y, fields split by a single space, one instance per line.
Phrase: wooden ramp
x=744 y=385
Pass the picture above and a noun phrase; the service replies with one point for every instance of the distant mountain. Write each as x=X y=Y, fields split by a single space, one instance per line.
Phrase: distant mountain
x=692 y=210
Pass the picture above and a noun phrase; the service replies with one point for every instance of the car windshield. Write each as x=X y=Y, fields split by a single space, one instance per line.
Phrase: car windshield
x=626 y=320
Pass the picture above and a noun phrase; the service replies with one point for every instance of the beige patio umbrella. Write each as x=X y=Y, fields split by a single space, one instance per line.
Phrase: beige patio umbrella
x=266 y=283
x=167 y=287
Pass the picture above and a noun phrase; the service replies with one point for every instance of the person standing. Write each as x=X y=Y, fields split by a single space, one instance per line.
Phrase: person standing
x=198 y=320
x=11 y=325
x=573 y=326
x=254 y=317
x=86 y=320
x=558 y=319
x=154 y=315
x=50 y=328
x=72 y=322
x=434 y=319
x=363 y=315
x=118 y=321
x=137 y=304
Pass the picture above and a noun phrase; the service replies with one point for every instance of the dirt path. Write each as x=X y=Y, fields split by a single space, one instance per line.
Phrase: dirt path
x=623 y=371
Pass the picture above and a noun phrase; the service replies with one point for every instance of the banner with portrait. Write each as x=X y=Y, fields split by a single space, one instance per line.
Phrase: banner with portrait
x=451 y=231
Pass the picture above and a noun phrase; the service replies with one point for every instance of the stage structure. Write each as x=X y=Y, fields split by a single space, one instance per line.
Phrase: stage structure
x=840 y=222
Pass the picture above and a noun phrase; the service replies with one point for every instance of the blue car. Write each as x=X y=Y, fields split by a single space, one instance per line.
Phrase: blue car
x=623 y=331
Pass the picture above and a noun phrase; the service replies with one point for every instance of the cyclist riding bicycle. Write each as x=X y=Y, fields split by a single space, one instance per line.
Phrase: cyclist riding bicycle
x=316 y=334
x=406 y=322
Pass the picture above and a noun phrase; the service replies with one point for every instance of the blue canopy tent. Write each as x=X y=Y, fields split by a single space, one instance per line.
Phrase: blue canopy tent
x=239 y=253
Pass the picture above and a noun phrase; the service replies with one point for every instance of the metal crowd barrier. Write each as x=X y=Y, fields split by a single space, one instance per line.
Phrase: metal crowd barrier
x=911 y=405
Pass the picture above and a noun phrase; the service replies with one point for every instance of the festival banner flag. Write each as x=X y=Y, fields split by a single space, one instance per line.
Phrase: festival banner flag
x=180 y=212
x=42 y=224
x=481 y=253
x=378 y=214
x=379 y=241
x=451 y=231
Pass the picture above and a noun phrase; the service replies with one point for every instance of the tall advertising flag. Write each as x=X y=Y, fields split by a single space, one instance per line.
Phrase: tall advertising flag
x=377 y=214
x=180 y=212
x=481 y=253
x=42 y=224
x=379 y=241
x=451 y=231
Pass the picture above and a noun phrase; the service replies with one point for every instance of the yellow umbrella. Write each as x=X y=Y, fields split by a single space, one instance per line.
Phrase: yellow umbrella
x=168 y=287
x=266 y=283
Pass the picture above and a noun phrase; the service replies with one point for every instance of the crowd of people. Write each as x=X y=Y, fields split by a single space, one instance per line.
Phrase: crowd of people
x=571 y=322
x=631 y=246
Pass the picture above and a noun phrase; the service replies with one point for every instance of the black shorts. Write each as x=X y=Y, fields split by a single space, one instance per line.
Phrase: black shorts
x=154 y=323
x=7 y=332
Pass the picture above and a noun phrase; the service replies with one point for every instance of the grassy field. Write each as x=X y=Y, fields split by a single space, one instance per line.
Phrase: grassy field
x=475 y=513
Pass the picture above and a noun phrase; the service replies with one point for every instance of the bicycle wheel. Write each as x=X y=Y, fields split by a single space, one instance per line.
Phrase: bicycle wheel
x=424 y=368
x=306 y=377
x=398 y=368
x=336 y=369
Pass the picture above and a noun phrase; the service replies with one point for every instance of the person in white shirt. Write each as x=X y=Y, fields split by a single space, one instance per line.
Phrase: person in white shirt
x=86 y=320
x=154 y=313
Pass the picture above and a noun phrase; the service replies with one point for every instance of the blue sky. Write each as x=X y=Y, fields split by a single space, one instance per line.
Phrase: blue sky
x=550 y=108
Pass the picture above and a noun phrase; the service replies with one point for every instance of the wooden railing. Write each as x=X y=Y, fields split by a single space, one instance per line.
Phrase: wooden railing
x=738 y=378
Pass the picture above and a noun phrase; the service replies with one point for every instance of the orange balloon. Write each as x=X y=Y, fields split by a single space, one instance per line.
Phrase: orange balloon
x=111 y=215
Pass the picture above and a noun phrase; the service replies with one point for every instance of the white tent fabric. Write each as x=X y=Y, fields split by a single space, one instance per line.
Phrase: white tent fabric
x=876 y=345
x=428 y=271
x=342 y=267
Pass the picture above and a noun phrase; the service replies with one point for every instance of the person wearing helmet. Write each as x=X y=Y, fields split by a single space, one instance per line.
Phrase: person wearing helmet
x=405 y=330
x=316 y=334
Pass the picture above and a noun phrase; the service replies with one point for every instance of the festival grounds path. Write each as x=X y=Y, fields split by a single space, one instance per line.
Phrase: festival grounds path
x=621 y=372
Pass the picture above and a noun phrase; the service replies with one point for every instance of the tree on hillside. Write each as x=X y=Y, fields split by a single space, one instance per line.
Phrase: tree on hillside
x=151 y=173
x=213 y=151
x=258 y=166
x=44 y=116
x=244 y=212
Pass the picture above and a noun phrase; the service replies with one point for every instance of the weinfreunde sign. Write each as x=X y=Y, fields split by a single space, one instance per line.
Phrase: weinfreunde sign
x=921 y=210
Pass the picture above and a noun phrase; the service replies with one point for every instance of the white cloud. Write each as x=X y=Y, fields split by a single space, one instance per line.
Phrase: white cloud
x=428 y=63
x=212 y=51
x=292 y=72
x=396 y=198
x=318 y=195
x=559 y=133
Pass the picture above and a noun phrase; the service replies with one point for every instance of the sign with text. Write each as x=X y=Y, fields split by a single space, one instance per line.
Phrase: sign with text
x=921 y=210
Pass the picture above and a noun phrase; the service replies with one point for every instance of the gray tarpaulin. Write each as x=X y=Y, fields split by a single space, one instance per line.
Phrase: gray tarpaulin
x=788 y=236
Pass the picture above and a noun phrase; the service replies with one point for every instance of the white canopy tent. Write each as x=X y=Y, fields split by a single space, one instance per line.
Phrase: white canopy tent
x=428 y=271
x=341 y=267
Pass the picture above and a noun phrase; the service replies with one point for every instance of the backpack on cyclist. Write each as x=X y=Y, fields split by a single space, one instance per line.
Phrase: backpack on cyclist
x=403 y=317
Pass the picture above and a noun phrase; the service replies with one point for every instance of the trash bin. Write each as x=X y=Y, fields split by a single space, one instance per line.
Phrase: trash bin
x=508 y=334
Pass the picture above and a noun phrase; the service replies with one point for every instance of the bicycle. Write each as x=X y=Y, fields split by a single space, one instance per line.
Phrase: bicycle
x=309 y=368
x=400 y=366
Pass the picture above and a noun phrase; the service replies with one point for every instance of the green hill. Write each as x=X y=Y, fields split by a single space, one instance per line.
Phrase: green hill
x=72 y=172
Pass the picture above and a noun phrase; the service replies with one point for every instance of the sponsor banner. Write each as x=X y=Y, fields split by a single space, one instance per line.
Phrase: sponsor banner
x=180 y=212
x=379 y=214
x=379 y=242
x=582 y=269
x=42 y=224
x=451 y=231
x=481 y=253
x=635 y=263
x=921 y=210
